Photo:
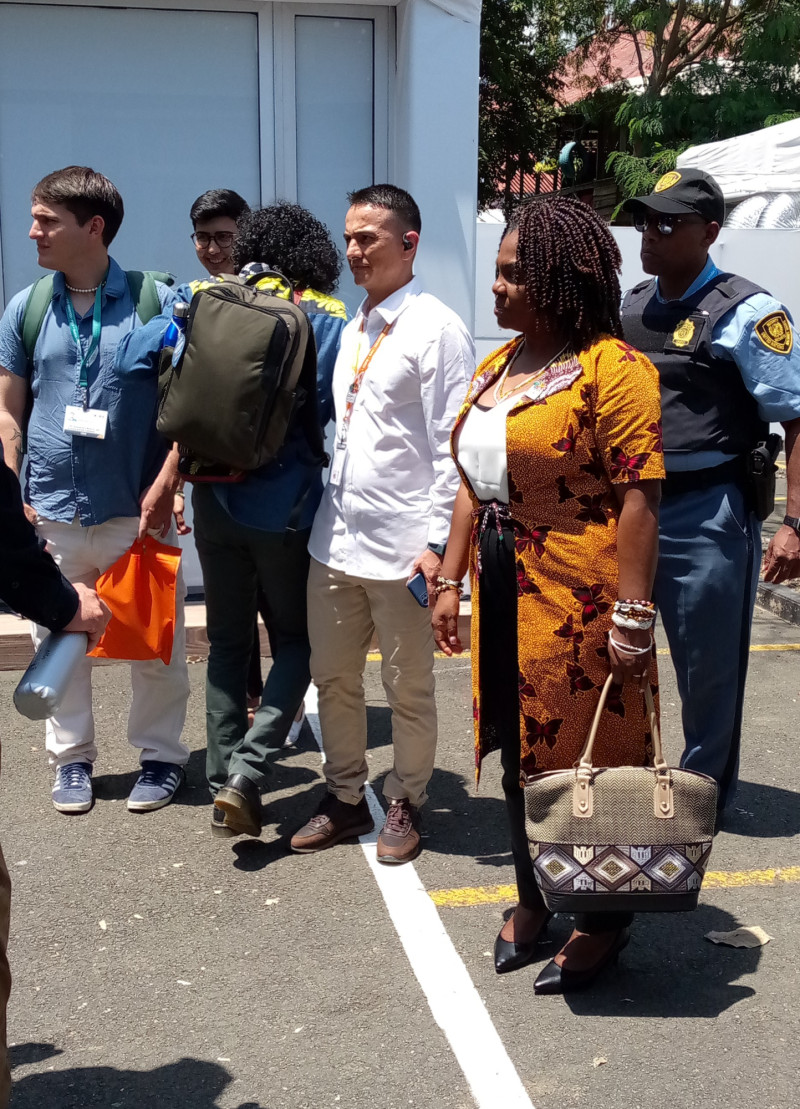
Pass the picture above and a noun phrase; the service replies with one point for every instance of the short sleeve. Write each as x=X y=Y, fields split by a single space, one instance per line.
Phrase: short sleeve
x=12 y=352
x=759 y=336
x=628 y=414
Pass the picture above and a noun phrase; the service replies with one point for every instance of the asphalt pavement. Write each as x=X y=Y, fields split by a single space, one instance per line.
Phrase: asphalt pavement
x=155 y=966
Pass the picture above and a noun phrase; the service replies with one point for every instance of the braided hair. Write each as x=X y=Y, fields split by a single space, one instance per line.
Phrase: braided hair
x=569 y=263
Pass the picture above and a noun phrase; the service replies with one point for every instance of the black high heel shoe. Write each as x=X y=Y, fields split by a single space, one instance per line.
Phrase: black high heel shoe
x=510 y=956
x=556 y=979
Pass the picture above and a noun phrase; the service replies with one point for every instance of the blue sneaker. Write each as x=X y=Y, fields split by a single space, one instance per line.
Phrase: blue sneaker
x=156 y=786
x=72 y=791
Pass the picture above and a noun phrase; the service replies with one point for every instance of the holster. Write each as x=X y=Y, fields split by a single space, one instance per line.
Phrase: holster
x=761 y=470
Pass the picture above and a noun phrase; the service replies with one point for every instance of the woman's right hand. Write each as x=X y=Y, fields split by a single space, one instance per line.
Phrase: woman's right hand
x=628 y=667
x=444 y=621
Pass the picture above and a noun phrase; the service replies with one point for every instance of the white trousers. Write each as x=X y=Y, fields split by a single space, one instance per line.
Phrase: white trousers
x=160 y=693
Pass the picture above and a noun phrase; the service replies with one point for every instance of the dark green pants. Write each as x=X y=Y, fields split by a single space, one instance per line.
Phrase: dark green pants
x=236 y=562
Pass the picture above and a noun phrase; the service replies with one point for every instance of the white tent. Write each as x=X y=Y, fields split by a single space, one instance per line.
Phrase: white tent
x=765 y=161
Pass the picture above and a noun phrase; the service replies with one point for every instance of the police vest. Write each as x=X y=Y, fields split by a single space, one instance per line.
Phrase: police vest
x=704 y=402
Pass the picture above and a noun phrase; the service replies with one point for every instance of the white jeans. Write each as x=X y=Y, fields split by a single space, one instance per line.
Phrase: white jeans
x=160 y=693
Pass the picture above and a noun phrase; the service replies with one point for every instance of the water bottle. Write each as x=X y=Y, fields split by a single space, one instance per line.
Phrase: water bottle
x=43 y=685
x=175 y=335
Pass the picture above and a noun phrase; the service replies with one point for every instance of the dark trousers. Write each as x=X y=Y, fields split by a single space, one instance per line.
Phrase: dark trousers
x=709 y=556
x=237 y=561
x=499 y=681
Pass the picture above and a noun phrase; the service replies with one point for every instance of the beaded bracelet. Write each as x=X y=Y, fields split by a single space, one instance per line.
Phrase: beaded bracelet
x=631 y=622
x=634 y=606
x=450 y=583
x=627 y=649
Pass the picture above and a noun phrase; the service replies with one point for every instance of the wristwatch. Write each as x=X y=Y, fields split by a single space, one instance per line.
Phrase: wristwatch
x=439 y=548
x=792 y=522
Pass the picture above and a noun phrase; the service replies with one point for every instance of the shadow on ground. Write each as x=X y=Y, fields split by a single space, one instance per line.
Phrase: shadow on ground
x=765 y=812
x=187 y=1084
x=669 y=969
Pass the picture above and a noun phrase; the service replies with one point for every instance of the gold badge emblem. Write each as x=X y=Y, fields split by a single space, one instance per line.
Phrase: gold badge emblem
x=775 y=332
x=684 y=333
x=667 y=181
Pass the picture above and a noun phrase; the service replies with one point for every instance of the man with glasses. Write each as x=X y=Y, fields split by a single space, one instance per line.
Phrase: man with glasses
x=729 y=362
x=214 y=216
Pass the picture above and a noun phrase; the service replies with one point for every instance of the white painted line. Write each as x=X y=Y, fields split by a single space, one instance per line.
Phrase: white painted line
x=450 y=992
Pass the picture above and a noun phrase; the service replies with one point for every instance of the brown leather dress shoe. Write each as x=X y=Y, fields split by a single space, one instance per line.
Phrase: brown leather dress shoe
x=333 y=821
x=399 y=841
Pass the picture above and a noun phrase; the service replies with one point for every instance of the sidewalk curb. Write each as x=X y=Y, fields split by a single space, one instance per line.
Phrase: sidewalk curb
x=780 y=600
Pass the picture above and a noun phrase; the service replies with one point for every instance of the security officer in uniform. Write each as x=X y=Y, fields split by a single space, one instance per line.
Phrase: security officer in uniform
x=729 y=361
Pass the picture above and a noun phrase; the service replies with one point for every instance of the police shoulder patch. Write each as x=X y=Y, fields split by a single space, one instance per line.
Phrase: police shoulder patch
x=775 y=332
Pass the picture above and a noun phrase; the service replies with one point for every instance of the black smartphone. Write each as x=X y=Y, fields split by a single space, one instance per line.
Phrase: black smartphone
x=418 y=588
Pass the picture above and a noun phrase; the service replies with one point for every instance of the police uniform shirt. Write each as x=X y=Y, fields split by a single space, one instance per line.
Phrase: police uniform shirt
x=759 y=336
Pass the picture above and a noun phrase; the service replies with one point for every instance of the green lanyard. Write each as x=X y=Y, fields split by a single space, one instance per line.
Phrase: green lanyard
x=87 y=358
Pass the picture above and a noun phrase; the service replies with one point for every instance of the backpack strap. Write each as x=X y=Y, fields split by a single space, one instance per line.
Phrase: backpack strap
x=142 y=284
x=308 y=417
x=34 y=313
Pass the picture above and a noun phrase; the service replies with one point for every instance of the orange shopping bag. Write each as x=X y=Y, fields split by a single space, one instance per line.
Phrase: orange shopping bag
x=140 y=591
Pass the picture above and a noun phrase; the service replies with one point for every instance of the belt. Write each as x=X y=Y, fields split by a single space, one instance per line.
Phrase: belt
x=689 y=481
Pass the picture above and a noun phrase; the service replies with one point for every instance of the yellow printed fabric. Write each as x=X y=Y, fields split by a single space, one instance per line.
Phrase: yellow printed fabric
x=308 y=299
x=598 y=427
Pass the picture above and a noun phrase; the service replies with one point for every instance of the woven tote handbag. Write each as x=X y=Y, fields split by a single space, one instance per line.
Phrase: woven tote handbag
x=620 y=839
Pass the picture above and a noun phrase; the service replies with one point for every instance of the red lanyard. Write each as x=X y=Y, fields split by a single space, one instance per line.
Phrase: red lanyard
x=358 y=374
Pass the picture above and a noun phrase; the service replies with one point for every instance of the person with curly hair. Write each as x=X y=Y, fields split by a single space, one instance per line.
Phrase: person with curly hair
x=246 y=550
x=559 y=453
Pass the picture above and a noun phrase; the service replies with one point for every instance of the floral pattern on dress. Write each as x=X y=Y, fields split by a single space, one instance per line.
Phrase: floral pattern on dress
x=600 y=427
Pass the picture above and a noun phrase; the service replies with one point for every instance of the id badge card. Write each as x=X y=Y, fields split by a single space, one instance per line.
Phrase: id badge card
x=88 y=422
x=337 y=462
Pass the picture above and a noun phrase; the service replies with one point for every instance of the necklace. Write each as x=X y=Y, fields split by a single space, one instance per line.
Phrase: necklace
x=499 y=395
x=72 y=288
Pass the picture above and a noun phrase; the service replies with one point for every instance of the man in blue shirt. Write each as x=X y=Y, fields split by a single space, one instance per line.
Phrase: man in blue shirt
x=729 y=362
x=97 y=476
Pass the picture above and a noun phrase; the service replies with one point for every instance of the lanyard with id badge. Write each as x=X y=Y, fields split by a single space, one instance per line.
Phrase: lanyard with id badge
x=340 y=447
x=81 y=419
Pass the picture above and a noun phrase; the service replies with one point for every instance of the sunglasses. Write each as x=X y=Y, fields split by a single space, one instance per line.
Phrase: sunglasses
x=665 y=225
x=223 y=239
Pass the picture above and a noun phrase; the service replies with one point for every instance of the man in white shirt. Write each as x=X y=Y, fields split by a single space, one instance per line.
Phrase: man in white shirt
x=403 y=368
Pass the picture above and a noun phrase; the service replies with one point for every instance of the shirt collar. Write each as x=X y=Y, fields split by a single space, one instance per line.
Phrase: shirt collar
x=116 y=283
x=391 y=308
x=708 y=273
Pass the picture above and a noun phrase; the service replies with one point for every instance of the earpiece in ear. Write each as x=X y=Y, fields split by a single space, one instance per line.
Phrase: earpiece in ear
x=407 y=244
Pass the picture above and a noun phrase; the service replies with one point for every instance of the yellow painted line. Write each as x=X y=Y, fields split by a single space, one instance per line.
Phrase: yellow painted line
x=714 y=879
x=375 y=656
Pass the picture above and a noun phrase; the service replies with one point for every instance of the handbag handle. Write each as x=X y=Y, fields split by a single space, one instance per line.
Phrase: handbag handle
x=585 y=758
x=663 y=799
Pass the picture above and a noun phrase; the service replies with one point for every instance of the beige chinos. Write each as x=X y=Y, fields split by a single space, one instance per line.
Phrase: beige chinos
x=343 y=613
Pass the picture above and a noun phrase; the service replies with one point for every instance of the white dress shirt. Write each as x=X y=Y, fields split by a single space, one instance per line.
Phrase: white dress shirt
x=398 y=480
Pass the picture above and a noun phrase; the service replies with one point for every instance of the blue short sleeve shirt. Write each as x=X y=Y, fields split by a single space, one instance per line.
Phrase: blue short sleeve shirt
x=71 y=475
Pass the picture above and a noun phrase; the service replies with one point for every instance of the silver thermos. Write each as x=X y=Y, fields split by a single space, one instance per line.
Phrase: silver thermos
x=43 y=685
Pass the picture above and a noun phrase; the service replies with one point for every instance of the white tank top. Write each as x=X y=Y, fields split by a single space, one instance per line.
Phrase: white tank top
x=481 y=450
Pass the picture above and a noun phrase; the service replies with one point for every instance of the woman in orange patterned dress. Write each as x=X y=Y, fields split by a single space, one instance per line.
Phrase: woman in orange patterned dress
x=559 y=449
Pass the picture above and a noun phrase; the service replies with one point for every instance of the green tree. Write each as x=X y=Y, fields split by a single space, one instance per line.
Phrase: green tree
x=522 y=48
x=708 y=69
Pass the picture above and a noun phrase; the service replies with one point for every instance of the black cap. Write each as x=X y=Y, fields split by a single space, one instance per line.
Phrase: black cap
x=681 y=192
